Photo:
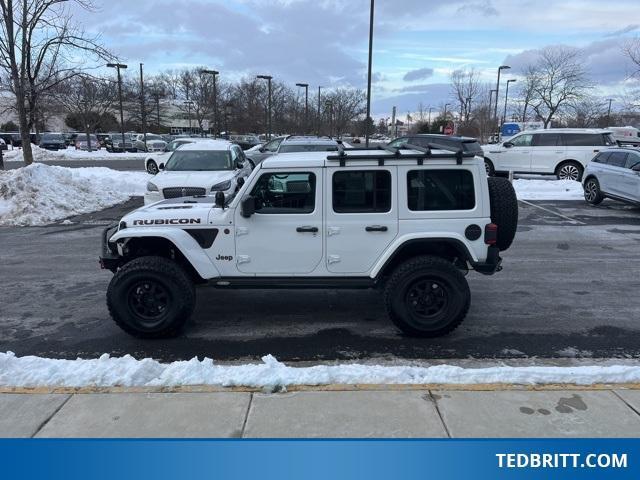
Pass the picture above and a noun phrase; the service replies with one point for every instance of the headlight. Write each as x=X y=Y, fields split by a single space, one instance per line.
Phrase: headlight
x=151 y=187
x=222 y=186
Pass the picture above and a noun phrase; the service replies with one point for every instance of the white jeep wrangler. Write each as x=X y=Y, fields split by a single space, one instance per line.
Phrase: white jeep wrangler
x=409 y=222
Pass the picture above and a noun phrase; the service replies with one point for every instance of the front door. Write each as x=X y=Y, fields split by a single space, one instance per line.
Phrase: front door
x=362 y=217
x=517 y=157
x=284 y=236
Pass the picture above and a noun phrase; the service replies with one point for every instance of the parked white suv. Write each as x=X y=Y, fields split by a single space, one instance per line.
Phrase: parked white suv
x=613 y=173
x=199 y=169
x=409 y=222
x=561 y=152
x=153 y=161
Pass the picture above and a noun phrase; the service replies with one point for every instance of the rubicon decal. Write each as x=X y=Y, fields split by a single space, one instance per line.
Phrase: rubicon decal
x=171 y=221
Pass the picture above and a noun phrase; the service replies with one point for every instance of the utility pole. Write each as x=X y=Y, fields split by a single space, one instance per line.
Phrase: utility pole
x=366 y=126
x=329 y=105
x=319 y=121
x=214 y=73
x=143 y=107
x=609 y=113
x=306 y=105
x=268 y=78
x=119 y=66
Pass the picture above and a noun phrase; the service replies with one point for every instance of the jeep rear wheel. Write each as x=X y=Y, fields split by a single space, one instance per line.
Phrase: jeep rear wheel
x=151 y=297
x=427 y=297
x=504 y=210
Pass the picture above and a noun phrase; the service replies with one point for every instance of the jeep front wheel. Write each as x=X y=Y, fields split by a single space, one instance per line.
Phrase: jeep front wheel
x=427 y=297
x=151 y=297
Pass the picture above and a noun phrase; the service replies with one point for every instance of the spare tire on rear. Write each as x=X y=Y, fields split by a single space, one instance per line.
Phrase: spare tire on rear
x=504 y=210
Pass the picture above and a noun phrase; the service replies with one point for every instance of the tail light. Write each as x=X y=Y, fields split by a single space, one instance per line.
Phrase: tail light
x=491 y=234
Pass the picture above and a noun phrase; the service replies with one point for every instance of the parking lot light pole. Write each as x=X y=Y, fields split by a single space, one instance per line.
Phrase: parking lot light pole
x=329 y=105
x=495 y=110
x=189 y=103
x=366 y=120
x=214 y=74
x=306 y=105
x=319 y=121
x=609 y=113
x=506 y=99
x=268 y=78
x=119 y=66
x=143 y=107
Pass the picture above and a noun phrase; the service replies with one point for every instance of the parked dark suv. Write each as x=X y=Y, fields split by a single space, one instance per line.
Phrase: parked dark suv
x=53 y=141
x=467 y=144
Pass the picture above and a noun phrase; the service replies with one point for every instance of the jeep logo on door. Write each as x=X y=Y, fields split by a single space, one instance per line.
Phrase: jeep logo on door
x=170 y=221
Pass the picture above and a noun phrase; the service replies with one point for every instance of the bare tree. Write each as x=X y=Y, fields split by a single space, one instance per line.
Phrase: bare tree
x=587 y=112
x=465 y=88
x=38 y=47
x=631 y=49
x=558 y=80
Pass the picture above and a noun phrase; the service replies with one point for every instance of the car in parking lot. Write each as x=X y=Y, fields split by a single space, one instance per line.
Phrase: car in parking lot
x=153 y=143
x=154 y=160
x=114 y=143
x=246 y=142
x=293 y=144
x=53 y=141
x=200 y=169
x=563 y=152
x=83 y=144
x=613 y=173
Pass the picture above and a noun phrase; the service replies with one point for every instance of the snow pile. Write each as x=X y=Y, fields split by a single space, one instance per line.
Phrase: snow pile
x=532 y=189
x=271 y=374
x=42 y=155
x=41 y=194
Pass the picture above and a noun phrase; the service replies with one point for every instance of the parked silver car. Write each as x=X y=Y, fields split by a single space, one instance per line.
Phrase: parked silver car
x=155 y=143
x=613 y=173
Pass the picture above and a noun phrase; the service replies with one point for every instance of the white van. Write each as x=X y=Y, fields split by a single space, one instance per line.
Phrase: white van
x=626 y=135
x=563 y=152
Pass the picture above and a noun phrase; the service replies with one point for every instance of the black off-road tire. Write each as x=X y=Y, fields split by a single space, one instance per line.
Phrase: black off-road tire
x=489 y=168
x=504 y=210
x=157 y=280
x=403 y=305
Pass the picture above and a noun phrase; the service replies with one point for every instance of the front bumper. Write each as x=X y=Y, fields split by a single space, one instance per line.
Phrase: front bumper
x=109 y=257
x=492 y=264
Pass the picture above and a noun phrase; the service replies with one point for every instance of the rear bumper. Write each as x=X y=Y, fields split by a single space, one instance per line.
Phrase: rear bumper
x=492 y=264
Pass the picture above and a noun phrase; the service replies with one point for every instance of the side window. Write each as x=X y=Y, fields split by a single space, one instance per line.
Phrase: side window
x=273 y=145
x=522 y=141
x=546 y=140
x=236 y=156
x=434 y=190
x=633 y=159
x=282 y=192
x=582 y=139
x=362 y=191
x=399 y=142
x=618 y=159
x=602 y=157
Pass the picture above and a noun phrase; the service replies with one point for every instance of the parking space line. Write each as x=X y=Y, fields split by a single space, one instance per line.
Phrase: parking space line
x=572 y=220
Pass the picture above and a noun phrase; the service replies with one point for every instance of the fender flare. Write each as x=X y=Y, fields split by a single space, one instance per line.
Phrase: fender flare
x=181 y=240
x=435 y=237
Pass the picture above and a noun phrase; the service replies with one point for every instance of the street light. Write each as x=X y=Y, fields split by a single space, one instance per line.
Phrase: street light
x=119 y=66
x=506 y=97
x=189 y=104
x=228 y=110
x=306 y=104
x=609 y=113
x=366 y=125
x=268 y=78
x=495 y=111
x=214 y=73
x=143 y=113
x=319 y=120
x=329 y=105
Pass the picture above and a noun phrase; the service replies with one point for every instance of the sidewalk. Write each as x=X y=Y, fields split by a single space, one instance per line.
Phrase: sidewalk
x=367 y=412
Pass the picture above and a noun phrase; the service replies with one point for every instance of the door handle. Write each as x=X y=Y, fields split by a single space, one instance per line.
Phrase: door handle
x=377 y=228
x=307 y=230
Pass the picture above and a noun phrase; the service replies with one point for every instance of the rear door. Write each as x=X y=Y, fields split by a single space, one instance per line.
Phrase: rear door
x=546 y=152
x=362 y=217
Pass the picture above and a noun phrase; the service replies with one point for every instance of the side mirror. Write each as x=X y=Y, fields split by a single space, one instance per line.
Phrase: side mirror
x=248 y=206
x=239 y=165
x=636 y=167
x=161 y=166
x=507 y=144
x=262 y=150
x=220 y=199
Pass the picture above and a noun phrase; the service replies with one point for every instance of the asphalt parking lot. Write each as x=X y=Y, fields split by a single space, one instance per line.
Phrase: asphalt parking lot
x=569 y=288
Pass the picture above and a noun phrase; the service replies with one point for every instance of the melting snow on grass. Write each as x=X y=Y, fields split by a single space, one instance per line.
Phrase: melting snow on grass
x=69 y=154
x=271 y=374
x=41 y=194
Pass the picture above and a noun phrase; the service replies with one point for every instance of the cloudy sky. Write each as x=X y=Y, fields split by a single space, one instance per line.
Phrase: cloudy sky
x=324 y=42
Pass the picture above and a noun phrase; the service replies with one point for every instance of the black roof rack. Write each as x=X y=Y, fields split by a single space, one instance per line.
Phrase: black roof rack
x=393 y=153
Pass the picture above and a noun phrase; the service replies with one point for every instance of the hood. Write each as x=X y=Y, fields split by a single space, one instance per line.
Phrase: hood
x=167 y=179
x=179 y=212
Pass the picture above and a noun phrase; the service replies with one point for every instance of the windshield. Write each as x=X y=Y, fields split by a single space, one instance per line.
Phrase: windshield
x=153 y=137
x=308 y=148
x=53 y=137
x=199 y=161
x=608 y=139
